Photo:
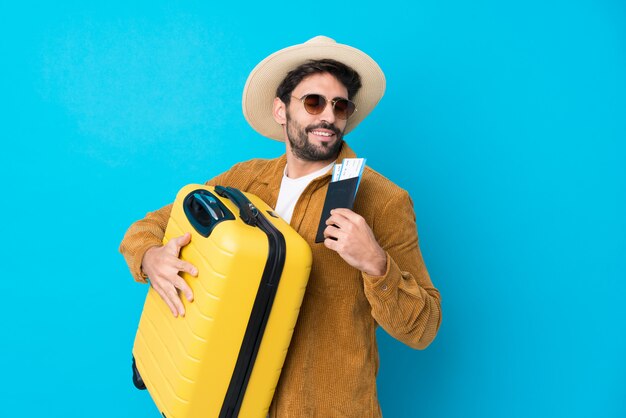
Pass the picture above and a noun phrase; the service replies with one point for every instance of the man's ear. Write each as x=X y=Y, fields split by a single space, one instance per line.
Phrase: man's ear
x=279 y=111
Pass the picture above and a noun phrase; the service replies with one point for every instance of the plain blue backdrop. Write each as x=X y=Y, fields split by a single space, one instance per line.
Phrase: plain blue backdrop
x=506 y=122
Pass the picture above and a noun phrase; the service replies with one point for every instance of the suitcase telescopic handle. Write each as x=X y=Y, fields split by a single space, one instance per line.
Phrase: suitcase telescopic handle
x=247 y=211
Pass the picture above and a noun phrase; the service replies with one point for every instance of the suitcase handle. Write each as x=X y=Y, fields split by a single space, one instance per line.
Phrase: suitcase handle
x=205 y=211
x=247 y=211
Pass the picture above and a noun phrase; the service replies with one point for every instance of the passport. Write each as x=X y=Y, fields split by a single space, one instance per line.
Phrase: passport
x=341 y=190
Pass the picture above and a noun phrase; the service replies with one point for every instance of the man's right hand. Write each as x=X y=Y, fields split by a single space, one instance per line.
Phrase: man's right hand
x=162 y=265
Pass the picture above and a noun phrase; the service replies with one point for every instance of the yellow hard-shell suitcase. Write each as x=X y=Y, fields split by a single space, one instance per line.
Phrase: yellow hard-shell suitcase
x=224 y=357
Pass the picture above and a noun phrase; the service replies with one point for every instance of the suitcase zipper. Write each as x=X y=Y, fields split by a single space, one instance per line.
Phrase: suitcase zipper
x=262 y=304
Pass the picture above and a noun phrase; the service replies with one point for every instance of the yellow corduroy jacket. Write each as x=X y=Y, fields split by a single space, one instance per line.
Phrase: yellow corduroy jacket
x=331 y=367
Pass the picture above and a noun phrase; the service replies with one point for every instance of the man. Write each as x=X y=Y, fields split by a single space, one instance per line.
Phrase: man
x=368 y=271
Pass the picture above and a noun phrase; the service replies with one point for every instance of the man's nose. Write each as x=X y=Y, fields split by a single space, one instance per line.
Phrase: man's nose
x=328 y=114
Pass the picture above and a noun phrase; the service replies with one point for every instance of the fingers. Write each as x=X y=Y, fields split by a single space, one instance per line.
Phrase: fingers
x=338 y=229
x=348 y=234
x=169 y=295
x=175 y=244
x=344 y=218
x=331 y=243
x=339 y=224
x=342 y=223
x=185 y=266
x=163 y=266
x=182 y=285
x=344 y=214
x=168 y=290
x=333 y=232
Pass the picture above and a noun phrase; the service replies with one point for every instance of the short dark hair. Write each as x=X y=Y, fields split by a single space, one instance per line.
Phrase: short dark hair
x=346 y=76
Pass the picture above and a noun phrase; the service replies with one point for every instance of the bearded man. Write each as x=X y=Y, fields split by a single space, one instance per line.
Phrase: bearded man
x=368 y=271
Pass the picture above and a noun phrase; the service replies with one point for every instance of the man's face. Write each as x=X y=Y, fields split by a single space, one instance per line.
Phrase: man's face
x=315 y=137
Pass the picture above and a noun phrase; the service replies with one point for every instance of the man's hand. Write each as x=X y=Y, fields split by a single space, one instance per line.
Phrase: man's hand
x=353 y=239
x=162 y=265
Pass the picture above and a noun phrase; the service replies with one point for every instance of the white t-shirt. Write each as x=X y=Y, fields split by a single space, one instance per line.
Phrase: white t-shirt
x=291 y=189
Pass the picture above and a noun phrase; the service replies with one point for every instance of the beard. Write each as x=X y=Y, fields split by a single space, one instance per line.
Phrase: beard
x=303 y=149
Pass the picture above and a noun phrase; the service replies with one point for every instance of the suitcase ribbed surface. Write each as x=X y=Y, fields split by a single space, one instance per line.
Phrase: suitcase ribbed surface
x=187 y=363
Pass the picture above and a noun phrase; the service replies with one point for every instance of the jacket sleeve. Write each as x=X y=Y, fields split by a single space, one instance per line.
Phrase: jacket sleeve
x=403 y=301
x=148 y=232
x=140 y=236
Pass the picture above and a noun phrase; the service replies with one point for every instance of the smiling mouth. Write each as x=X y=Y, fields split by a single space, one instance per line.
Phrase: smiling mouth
x=325 y=134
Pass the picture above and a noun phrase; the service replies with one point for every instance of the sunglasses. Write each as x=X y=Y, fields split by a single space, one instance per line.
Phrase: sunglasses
x=315 y=104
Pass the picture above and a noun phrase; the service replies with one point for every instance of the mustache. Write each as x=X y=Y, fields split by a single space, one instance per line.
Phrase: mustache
x=324 y=125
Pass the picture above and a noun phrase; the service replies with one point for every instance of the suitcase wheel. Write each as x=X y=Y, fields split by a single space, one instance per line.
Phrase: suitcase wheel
x=137 y=380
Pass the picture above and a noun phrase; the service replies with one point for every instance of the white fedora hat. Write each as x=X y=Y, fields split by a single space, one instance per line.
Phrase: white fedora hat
x=260 y=89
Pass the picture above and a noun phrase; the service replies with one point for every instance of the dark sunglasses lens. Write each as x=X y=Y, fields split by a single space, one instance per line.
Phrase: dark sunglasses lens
x=314 y=104
x=344 y=108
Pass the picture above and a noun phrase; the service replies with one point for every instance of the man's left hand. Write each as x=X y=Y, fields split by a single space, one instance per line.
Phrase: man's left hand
x=353 y=239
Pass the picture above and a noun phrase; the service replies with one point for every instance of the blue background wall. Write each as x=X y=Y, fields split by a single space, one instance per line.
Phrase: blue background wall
x=505 y=121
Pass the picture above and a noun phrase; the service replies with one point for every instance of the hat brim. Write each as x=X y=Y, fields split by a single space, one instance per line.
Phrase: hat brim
x=260 y=89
